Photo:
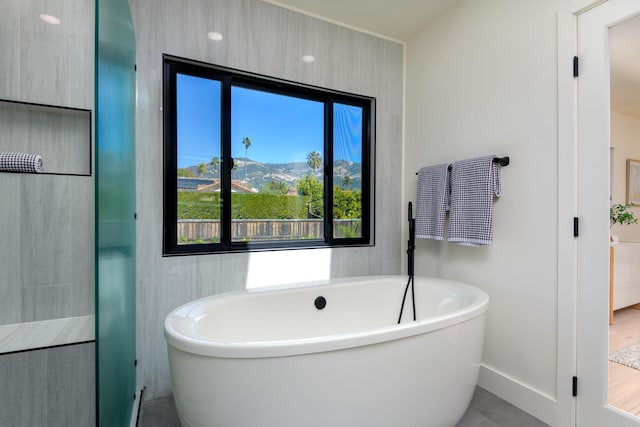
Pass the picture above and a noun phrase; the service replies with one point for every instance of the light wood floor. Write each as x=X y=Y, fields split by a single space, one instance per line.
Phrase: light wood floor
x=624 y=382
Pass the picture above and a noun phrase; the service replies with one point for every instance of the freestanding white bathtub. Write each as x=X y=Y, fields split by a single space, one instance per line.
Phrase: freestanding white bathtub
x=270 y=358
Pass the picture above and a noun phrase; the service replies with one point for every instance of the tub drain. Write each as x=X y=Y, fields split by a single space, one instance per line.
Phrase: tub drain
x=320 y=303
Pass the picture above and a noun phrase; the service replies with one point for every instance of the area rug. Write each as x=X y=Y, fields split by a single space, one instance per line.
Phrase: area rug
x=629 y=356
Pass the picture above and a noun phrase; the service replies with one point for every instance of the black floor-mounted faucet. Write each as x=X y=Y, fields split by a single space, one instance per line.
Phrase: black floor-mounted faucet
x=411 y=246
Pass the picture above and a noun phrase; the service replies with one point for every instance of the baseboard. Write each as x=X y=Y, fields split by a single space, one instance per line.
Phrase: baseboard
x=538 y=404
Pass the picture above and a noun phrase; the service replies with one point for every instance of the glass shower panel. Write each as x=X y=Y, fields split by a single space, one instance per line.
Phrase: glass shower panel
x=115 y=213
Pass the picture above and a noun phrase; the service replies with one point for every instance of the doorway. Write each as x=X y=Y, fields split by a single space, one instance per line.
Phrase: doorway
x=593 y=193
x=624 y=329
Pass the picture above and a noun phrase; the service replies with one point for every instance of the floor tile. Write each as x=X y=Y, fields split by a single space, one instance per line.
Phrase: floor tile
x=159 y=413
x=485 y=410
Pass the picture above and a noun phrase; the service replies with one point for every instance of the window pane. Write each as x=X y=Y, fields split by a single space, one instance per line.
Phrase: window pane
x=277 y=181
x=198 y=131
x=347 y=171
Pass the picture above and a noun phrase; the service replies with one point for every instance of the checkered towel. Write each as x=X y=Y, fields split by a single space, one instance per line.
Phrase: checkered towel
x=432 y=201
x=474 y=184
x=20 y=162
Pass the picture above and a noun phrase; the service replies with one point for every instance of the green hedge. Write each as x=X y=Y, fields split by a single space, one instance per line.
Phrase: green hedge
x=196 y=205
x=268 y=206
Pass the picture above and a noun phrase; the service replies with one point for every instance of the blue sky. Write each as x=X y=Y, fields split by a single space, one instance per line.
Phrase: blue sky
x=282 y=129
x=198 y=112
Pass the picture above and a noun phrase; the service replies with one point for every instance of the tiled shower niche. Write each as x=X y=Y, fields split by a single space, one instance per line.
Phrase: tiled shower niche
x=60 y=135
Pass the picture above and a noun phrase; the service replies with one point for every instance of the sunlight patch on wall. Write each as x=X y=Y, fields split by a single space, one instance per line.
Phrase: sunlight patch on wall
x=287 y=267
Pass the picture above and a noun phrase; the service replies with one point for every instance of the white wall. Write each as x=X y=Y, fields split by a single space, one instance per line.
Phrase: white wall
x=625 y=139
x=482 y=79
x=265 y=39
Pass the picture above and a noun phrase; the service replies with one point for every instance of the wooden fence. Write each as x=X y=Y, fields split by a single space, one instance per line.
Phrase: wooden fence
x=193 y=230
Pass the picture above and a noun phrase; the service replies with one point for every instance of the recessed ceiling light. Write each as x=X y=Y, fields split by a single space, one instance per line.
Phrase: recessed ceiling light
x=215 y=36
x=308 y=58
x=50 y=19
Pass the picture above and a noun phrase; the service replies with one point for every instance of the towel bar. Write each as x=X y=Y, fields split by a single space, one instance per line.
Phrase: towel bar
x=502 y=161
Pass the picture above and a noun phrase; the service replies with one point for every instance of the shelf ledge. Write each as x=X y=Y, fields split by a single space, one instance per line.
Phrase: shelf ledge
x=46 y=333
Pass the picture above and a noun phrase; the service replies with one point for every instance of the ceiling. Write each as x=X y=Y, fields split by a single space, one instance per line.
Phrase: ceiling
x=402 y=19
x=398 y=19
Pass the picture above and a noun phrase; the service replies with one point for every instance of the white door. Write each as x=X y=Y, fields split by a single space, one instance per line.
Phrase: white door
x=593 y=206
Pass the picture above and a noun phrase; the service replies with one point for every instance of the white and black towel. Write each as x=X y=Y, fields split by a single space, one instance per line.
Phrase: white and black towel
x=474 y=184
x=20 y=162
x=432 y=201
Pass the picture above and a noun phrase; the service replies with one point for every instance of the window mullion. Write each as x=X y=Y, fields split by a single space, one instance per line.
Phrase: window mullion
x=227 y=162
x=170 y=199
x=328 y=171
x=367 y=170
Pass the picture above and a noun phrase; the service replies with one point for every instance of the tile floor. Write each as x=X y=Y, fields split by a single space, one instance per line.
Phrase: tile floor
x=485 y=410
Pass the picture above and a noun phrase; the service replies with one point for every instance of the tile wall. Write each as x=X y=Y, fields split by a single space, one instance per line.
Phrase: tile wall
x=46 y=221
x=265 y=39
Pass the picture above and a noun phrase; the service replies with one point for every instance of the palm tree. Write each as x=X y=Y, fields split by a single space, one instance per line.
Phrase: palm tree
x=215 y=162
x=314 y=161
x=246 y=141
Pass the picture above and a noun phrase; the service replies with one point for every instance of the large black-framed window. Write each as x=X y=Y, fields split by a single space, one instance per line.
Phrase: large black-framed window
x=258 y=163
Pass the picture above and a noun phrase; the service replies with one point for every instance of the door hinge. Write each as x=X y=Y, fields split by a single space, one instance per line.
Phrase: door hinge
x=574 y=386
x=575 y=226
x=575 y=66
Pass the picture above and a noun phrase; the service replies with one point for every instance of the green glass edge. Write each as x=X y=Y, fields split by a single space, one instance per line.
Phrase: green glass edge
x=115 y=209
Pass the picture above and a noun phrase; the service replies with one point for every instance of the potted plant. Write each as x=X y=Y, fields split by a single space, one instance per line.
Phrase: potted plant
x=620 y=214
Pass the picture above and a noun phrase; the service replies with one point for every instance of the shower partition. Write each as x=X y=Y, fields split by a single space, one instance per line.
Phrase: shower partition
x=115 y=214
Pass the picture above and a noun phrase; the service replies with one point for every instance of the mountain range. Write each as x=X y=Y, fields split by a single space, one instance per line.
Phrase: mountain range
x=259 y=174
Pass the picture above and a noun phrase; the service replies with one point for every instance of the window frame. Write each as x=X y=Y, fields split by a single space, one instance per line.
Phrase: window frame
x=229 y=77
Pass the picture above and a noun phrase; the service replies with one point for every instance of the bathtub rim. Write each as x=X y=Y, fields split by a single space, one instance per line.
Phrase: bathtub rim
x=299 y=346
